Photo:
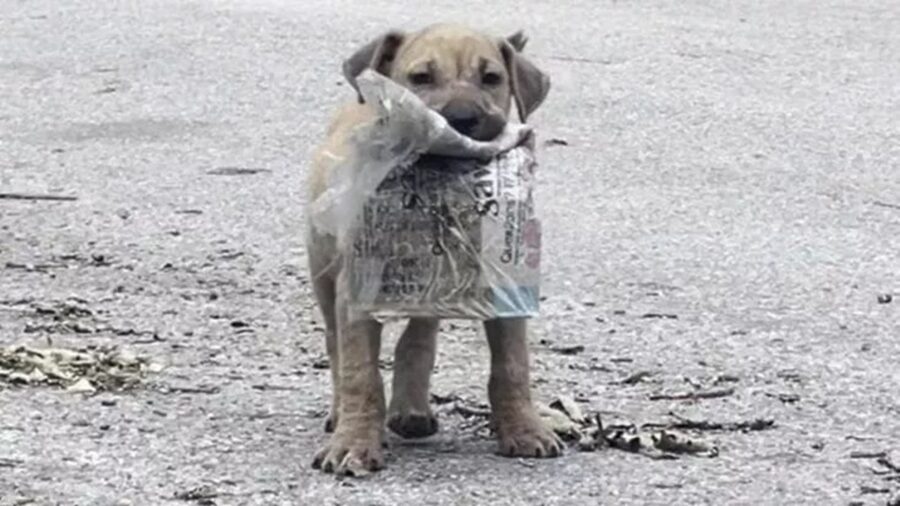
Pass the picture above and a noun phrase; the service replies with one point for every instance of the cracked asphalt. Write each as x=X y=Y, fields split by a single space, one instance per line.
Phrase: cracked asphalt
x=724 y=209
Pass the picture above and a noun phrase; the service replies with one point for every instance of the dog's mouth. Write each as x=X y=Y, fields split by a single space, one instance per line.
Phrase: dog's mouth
x=472 y=121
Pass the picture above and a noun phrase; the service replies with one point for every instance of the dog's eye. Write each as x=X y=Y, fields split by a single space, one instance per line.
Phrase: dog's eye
x=491 y=79
x=421 y=78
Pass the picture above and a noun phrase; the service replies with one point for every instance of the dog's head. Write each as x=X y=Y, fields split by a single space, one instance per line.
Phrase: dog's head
x=468 y=77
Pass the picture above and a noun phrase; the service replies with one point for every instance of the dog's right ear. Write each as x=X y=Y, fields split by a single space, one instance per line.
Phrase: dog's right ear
x=377 y=55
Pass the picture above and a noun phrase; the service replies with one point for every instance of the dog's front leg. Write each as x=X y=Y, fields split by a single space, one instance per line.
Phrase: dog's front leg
x=355 y=447
x=409 y=413
x=519 y=428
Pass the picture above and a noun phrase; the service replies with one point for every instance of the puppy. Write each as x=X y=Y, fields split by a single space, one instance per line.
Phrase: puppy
x=472 y=80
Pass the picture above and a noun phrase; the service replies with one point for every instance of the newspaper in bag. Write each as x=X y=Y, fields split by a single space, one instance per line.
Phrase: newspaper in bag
x=451 y=238
x=432 y=223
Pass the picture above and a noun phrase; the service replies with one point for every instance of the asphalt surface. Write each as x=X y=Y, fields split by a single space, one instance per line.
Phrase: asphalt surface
x=734 y=165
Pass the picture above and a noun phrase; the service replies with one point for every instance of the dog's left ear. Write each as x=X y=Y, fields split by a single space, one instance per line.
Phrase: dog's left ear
x=528 y=84
x=377 y=55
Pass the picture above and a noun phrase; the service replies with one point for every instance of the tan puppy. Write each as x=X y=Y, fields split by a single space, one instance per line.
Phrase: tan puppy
x=471 y=79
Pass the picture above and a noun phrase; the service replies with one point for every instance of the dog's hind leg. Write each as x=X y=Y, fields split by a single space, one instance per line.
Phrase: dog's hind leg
x=324 y=269
x=409 y=414
x=323 y=286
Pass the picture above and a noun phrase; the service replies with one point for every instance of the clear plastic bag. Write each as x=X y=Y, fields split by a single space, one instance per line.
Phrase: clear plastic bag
x=429 y=222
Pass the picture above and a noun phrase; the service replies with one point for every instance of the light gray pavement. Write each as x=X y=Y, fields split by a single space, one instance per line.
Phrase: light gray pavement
x=732 y=163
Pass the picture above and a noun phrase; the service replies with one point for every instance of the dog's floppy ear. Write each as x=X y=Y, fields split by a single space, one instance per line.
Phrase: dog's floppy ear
x=518 y=40
x=377 y=55
x=528 y=84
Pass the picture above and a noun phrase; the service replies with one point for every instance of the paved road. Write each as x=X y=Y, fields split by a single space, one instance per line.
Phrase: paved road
x=734 y=164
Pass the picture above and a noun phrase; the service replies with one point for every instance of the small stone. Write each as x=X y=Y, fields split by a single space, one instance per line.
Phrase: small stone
x=126 y=358
x=155 y=367
x=885 y=298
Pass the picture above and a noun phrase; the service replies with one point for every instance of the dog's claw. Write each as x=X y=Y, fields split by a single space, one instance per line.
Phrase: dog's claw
x=318 y=459
x=359 y=466
x=350 y=455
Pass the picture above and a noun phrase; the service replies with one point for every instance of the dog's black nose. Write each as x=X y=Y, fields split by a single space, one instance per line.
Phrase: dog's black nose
x=462 y=117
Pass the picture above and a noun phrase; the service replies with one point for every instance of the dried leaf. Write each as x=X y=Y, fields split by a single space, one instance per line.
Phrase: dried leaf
x=236 y=171
x=37 y=376
x=560 y=423
x=742 y=426
x=591 y=440
x=692 y=396
x=105 y=369
x=636 y=378
x=197 y=494
x=567 y=405
x=674 y=442
x=19 y=378
x=81 y=386
x=568 y=350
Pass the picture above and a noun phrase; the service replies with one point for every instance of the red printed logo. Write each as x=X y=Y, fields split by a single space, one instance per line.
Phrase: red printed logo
x=531 y=233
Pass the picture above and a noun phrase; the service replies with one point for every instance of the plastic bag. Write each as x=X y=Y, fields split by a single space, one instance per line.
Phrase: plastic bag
x=429 y=222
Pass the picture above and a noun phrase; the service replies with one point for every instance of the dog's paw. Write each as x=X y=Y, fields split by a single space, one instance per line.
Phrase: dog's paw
x=413 y=425
x=349 y=454
x=526 y=436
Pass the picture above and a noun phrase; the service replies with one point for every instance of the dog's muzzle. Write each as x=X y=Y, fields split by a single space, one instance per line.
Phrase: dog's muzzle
x=463 y=116
x=472 y=120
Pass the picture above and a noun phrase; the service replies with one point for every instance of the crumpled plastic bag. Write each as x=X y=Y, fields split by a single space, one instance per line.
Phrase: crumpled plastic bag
x=429 y=222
